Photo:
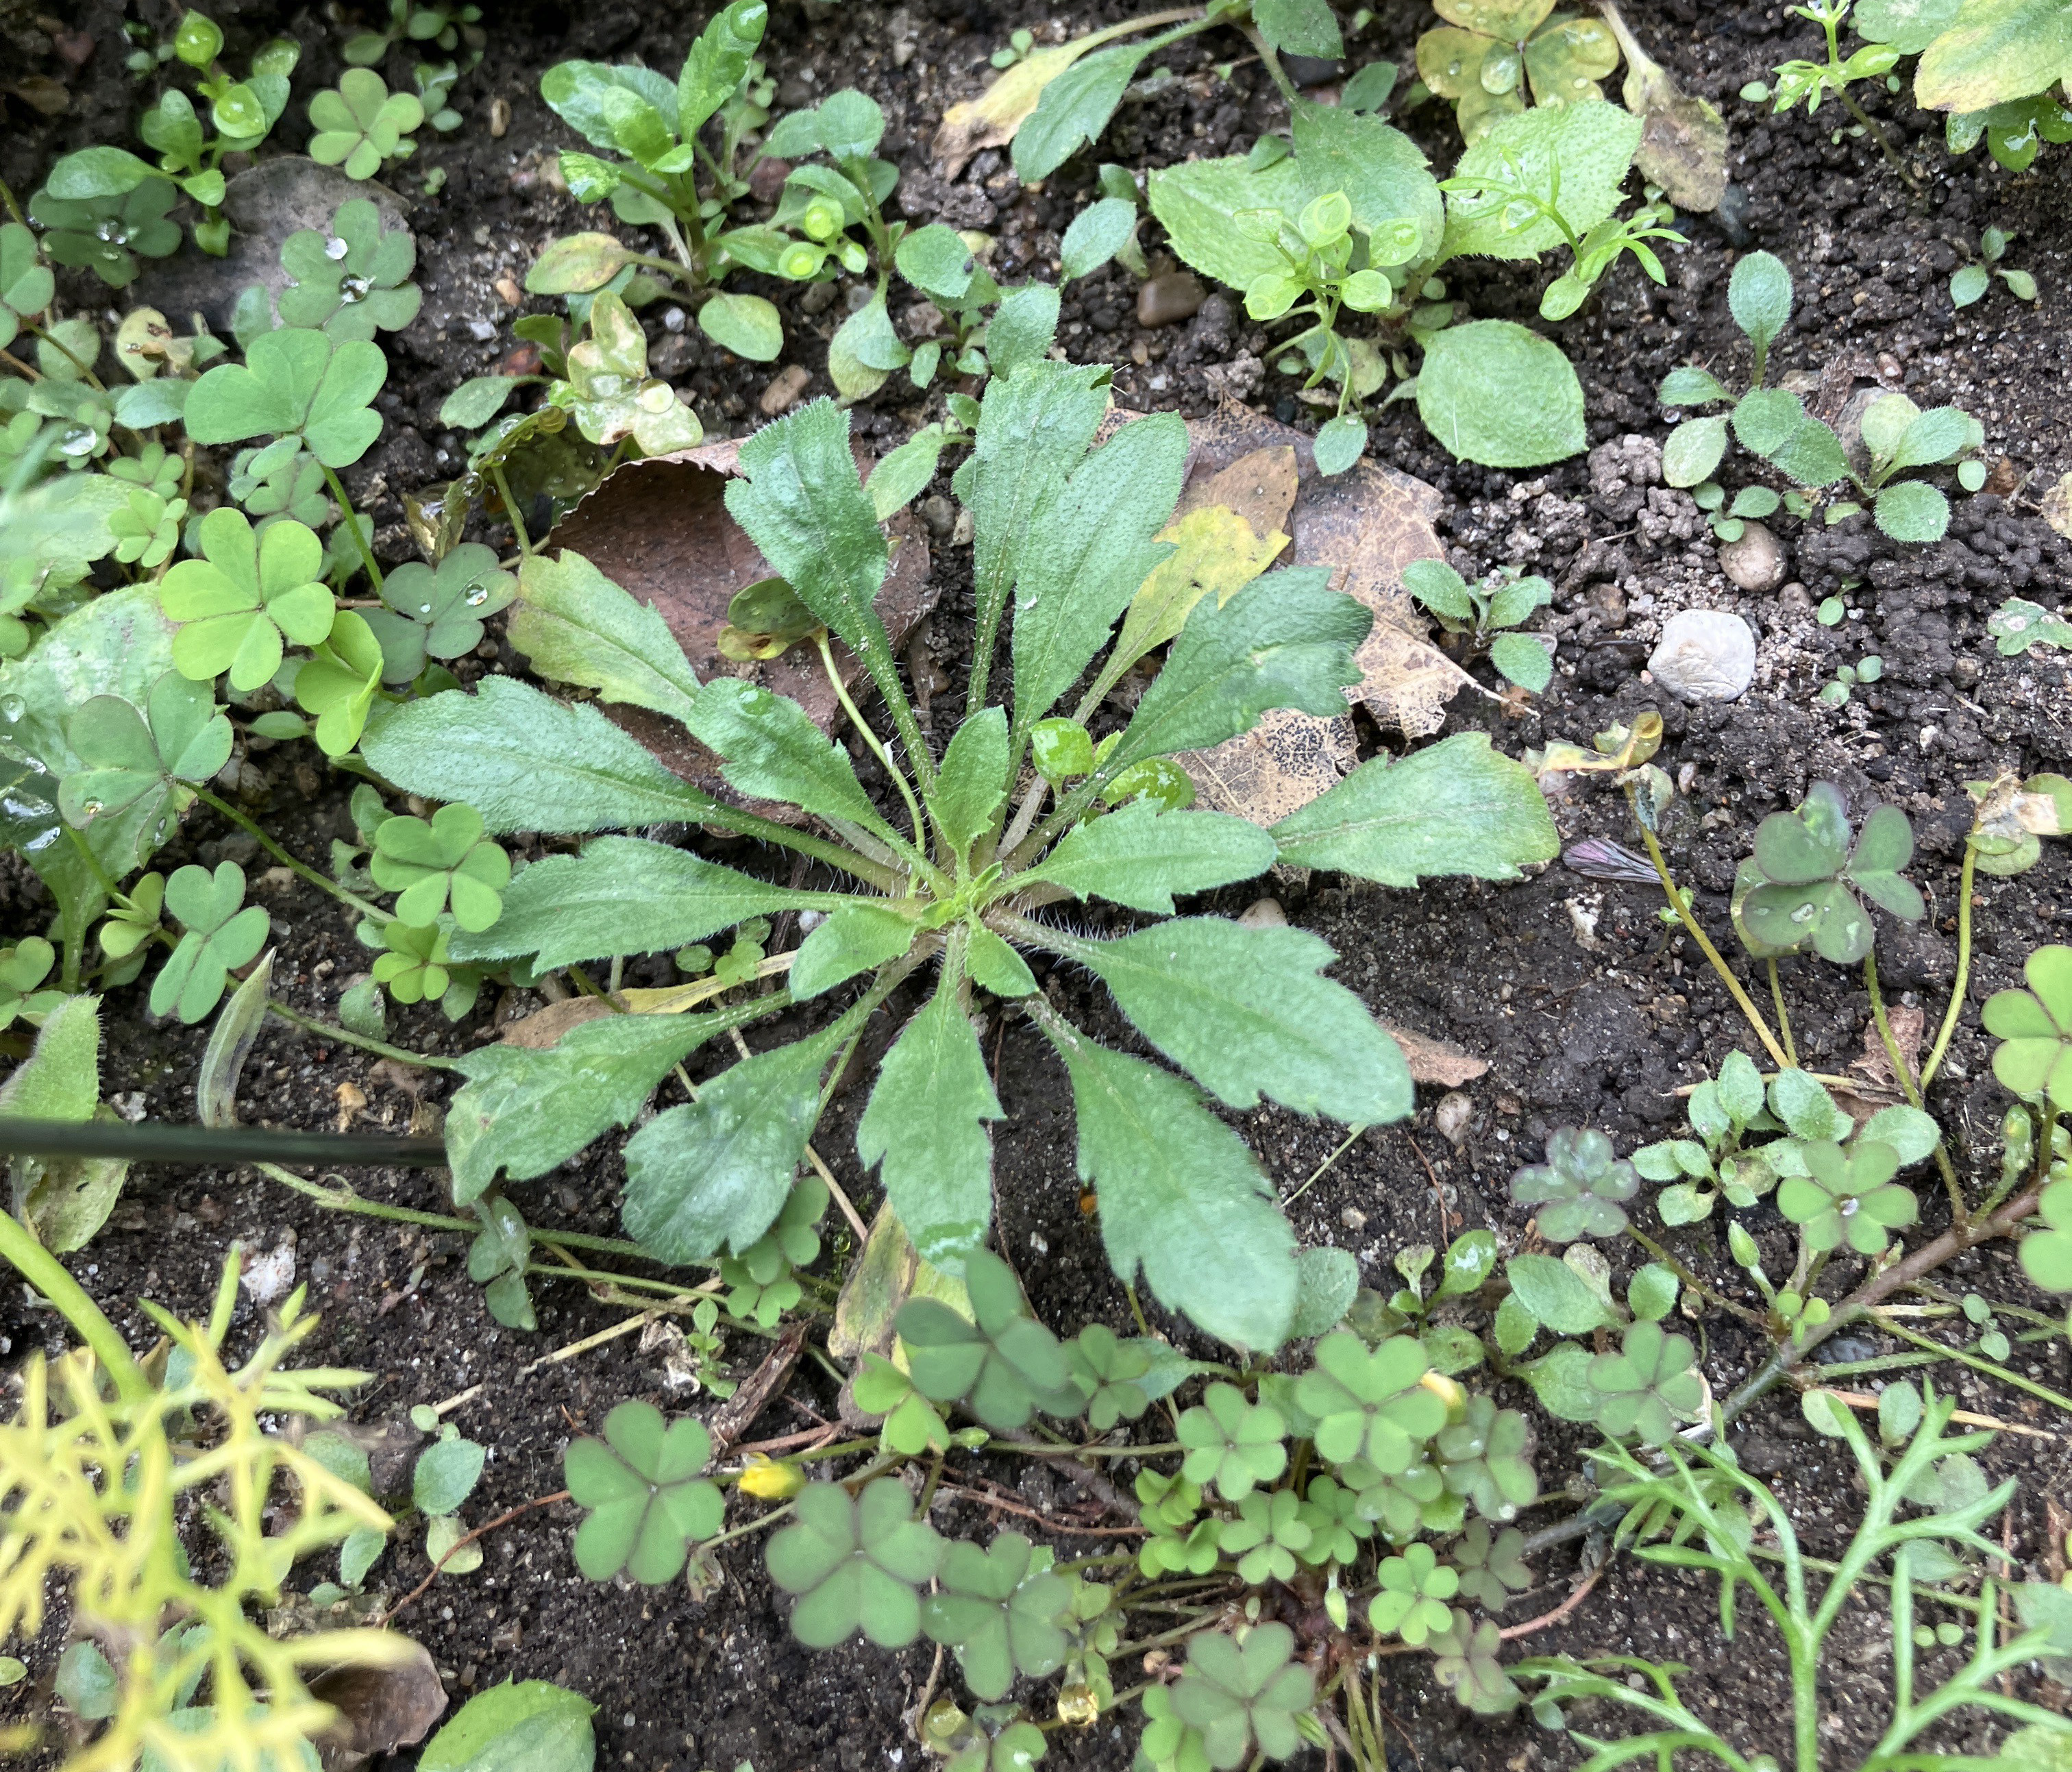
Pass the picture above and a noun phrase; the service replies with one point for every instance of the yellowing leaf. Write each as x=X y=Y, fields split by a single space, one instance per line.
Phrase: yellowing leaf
x=1217 y=551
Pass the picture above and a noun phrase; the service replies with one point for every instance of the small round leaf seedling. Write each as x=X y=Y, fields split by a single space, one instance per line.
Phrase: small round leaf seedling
x=447 y=860
x=646 y=1498
x=1244 y=1699
x=1648 y=1385
x=855 y=1564
x=1000 y=1616
x=1848 y=1196
x=1371 y=1405
x=2034 y=1028
x=1491 y=1565
x=352 y=281
x=437 y=612
x=1580 y=1189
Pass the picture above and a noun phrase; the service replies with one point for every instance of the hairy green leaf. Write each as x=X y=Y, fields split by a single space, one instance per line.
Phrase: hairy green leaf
x=528 y=762
x=1493 y=393
x=769 y=746
x=624 y=896
x=1580 y=151
x=926 y=1121
x=973 y=781
x=1139 y=857
x=858 y=938
x=576 y=625
x=1455 y=807
x=1182 y=1198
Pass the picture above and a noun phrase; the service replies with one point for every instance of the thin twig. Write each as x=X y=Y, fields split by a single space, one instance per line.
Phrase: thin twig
x=461 y=1543
x=1577 y=1595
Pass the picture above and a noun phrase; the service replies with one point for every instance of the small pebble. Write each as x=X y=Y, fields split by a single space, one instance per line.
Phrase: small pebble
x=1168 y=298
x=1706 y=655
x=1755 y=561
x=818 y=298
x=1452 y=1117
x=1265 y=914
x=783 y=389
x=500 y=118
x=766 y=180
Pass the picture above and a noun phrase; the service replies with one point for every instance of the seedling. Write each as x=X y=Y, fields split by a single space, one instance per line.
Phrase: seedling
x=2034 y=1028
x=353 y=281
x=1581 y=1189
x=1001 y=1609
x=1798 y=889
x=108 y=231
x=1483 y=619
x=1245 y=1700
x=1813 y=81
x=441 y=24
x=646 y=1499
x=361 y=126
x=437 y=612
x=1968 y=283
x=1867 y=669
x=2019 y=626
x=855 y=1564
x=1415 y=1590
x=248 y=594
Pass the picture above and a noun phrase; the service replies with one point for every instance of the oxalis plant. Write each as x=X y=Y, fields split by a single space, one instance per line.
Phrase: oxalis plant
x=954 y=884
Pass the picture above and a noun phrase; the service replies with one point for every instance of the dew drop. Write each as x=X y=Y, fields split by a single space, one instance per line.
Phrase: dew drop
x=335 y=248
x=112 y=231
x=353 y=288
x=12 y=707
x=424 y=609
x=477 y=596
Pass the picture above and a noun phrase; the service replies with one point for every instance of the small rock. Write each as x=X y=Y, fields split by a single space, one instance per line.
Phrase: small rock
x=1706 y=655
x=783 y=389
x=1312 y=70
x=963 y=530
x=1756 y=561
x=818 y=298
x=857 y=297
x=1168 y=298
x=1265 y=914
x=508 y=292
x=1796 y=599
x=1609 y=600
x=1452 y=1117
x=1353 y=1218
x=269 y=1277
x=938 y=514
x=766 y=182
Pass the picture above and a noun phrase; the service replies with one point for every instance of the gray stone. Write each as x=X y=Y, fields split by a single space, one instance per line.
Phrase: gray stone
x=1705 y=654
x=1755 y=561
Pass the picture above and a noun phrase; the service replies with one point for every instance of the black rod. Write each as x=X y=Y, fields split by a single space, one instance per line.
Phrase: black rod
x=155 y=1143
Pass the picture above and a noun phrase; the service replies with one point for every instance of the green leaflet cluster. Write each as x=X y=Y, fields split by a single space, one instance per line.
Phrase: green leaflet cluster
x=958 y=887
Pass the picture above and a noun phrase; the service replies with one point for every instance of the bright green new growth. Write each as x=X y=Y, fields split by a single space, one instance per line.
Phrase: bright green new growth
x=957 y=878
x=646 y=1498
x=1372 y=1404
x=2034 y=1027
x=360 y=123
x=248 y=594
x=448 y=860
x=1486 y=618
x=1415 y=1589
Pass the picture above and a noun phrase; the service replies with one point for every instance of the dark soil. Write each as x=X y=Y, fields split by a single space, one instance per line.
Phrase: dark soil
x=1589 y=1009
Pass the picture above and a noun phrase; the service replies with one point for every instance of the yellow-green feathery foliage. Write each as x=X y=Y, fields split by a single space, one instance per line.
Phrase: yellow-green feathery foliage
x=93 y=1470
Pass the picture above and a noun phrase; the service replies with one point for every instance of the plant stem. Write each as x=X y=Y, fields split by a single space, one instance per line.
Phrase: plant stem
x=1992 y=1368
x=44 y=1271
x=363 y=543
x=380 y=1048
x=216 y=804
x=1691 y=1282
x=919 y=847
x=1898 y=1060
x=1877 y=135
x=1783 y=1016
x=1705 y=946
x=1964 y=965
x=510 y=506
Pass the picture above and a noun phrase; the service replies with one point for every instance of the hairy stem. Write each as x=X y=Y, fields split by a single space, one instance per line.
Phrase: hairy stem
x=301 y=869
x=917 y=849
x=44 y=1271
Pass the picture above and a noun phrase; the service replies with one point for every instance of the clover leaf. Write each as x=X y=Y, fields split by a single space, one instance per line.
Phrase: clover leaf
x=338 y=683
x=1232 y=1442
x=26 y=284
x=1000 y=1617
x=1798 y=890
x=610 y=392
x=855 y=1564
x=147 y=529
x=1493 y=51
x=1168 y=1743
x=1105 y=1368
x=361 y=123
x=293 y=381
x=1267 y=1535
x=647 y=1500
x=1464 y=1660
x=912 y=1424
x=2046 y=1255
x=447 y=860
x=246 y=594
x=761 y=1275
x=1415 y=1589
x=219 y=938
x=1337 y=1528
x=1579 y=1188
x=1847 y=1196
x=437 y=611
x=1371 y=1405
x=1245 y=1698
x=353 y=281
x=127 y=761
x=1485 y=1457
x=269 y=485
x=106 y=233
x=1178 y=1541
x=416 y=968
x=154 y=468
x=2034 y=1028
x=22 y=968
x=1004 y=1367
x=1645 y=1388
x=1403 y=1502
x=1491 y=1564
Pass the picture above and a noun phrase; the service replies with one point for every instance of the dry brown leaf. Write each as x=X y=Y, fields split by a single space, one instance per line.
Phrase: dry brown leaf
x=2056 y=505
x=379 y=1709
x=545 y=1027
x=1277 y=768
x=1260 y=487
x=1908 y=1023
x=1435 y=1061
x=660 y=529
x=1683 y=143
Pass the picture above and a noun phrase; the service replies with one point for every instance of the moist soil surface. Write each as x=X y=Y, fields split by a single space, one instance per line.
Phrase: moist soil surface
x=1589 y=1009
